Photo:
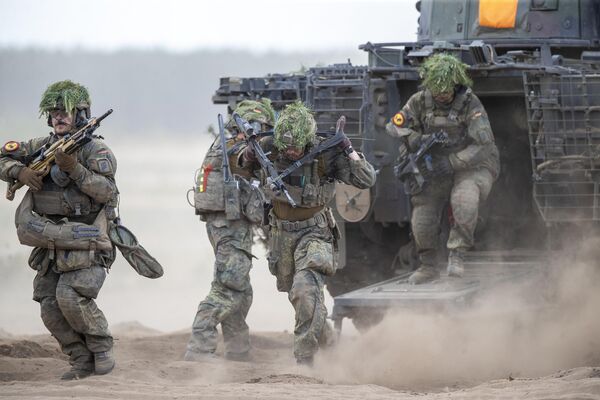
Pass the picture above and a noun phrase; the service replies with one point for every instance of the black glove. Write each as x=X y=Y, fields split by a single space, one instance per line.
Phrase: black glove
x=346 y=145
x=441 y=166
x=431 y=167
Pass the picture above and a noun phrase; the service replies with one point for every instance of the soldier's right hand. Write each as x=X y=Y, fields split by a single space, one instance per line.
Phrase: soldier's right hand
x=31 y=178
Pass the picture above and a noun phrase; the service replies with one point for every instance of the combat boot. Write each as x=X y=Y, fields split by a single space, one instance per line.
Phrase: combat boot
x=81 y=368
x=456 y=264
x=104 y=362
x=199 y=356
x=307 y=361
x=244 y=356
x=423 y=274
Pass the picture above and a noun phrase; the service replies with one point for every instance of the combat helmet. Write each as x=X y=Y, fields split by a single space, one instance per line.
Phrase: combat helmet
x=442 y=72
x=257 y=111
x=295 y=127
x=68 y=96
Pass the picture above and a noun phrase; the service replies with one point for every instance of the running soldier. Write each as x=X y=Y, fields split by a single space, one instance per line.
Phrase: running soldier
x=303 y=234
x=79 y=195
x=230 y=295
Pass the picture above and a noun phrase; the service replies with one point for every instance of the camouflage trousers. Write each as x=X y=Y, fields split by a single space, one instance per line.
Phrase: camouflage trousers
x=300 y=260
x=230 y=295
x=464 y=193
x=68 y=309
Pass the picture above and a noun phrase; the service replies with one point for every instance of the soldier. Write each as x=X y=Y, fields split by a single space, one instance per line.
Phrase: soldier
x=80 y=188
x=302 y=240
x=460 y=172
x=230 y=295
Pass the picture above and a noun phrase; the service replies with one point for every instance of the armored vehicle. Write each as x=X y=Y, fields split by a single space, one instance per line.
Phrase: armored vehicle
x=536 y=68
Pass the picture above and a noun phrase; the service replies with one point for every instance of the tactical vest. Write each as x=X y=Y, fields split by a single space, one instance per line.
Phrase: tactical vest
x=451 y=120
x=69 y=201
x=308 y=186
x=209 y=191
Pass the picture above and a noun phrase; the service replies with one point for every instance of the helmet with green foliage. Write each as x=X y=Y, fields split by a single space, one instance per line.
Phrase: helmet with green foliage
x=295 y=127
x=442 y=72
x=257 y=111
x=68 y=96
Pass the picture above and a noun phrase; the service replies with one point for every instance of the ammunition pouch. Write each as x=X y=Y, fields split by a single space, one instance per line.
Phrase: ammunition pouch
x=233 y=207
x=38 y=231
x=135 y=254
x=71 y=260
x=308 y=196
x=253 y=201
x=209 y=191
x=69 y=202
x=39 y=260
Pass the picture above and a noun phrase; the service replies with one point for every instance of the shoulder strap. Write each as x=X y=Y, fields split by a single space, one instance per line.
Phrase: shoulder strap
x=428 y=98
x=462 y=98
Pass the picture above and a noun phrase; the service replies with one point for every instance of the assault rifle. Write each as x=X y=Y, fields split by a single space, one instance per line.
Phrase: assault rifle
x=230 y=185
x=408 y=169
x=324 y=145
x=43 y=159
x=273 y=182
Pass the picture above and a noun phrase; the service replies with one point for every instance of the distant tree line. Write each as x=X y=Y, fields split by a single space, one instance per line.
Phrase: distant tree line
x=151 y=91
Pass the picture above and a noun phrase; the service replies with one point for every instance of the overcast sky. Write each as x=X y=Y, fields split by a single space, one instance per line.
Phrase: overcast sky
x=180 y=25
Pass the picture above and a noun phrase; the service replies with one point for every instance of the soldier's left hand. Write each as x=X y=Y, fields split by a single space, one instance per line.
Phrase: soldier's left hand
x=66 y=162
x=345 y=143
x=346 y=146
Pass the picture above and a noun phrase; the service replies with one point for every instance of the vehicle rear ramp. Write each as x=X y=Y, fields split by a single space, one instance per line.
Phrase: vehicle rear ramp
x=484 y=271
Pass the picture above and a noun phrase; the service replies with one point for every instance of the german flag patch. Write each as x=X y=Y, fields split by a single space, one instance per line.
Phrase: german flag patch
x=398 y=119
x=11 y=146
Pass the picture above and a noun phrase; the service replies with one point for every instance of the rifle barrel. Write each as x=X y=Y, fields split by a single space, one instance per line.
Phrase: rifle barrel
x=106 y=114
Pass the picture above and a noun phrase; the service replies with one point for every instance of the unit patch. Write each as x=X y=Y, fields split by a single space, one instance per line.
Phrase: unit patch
x=104 y=166
x=11 y=146
x=398 y=119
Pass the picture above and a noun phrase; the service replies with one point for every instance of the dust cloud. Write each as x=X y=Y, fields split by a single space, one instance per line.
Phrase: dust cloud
x=520 y=330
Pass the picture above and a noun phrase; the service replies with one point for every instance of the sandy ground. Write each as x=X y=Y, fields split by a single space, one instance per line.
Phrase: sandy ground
x=503 y=347
x=150 y=367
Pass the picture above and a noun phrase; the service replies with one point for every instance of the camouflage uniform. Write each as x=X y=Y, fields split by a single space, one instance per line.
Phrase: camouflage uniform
x=473 y=157
x=68 y=281
x=230 y=296
x=302 y=241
